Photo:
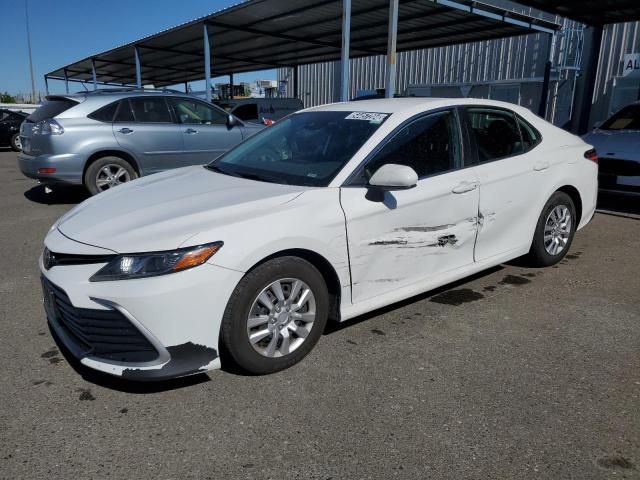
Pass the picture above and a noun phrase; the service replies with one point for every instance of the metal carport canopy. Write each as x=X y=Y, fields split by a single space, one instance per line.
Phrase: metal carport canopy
x=265 y=34
x=590 y=12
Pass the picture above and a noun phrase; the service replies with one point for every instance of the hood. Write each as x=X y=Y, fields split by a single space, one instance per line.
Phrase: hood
x=162 y=211
x=615 y=143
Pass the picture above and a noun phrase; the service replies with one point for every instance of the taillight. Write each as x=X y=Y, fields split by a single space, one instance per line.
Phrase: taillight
x=47 y=127
x=591 y=155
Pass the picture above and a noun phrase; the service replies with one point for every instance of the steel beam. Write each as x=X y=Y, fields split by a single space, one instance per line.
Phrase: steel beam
x=207 y=63
x=344 y=56
x=138 y=68
x=392 y=40
x=544 y=95
x=93 y=74
x=589 y=70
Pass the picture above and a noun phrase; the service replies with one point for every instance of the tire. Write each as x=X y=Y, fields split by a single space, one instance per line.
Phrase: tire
x=542 y=253
x=15 y=143
x=258 y=357
x=121 y=172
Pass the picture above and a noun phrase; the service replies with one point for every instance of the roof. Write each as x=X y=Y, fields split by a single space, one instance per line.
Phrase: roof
x=265 y=34
x=591 y=12
x=409 y=104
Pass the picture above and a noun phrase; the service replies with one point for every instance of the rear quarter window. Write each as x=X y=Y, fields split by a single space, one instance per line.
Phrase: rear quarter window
x=105 y=114
x=52 y=108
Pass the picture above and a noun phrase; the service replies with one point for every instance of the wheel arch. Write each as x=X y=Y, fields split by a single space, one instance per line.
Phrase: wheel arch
x=107 y=153
x=324 y=266
x=574 y=194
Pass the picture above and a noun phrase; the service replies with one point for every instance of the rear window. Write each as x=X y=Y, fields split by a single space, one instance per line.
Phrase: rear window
x=626 y=119
x=248 y=111
x=51 y=108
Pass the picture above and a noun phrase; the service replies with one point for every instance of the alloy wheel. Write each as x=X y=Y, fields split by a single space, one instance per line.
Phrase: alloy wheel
x=110 y=176
x=281 y=317
x=557 y=230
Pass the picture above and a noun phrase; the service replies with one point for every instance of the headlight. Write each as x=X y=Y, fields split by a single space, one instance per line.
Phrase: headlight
x=140 y=265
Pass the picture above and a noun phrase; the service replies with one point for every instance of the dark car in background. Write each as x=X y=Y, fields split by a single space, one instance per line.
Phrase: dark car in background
x=10 y=122
x=617 y=141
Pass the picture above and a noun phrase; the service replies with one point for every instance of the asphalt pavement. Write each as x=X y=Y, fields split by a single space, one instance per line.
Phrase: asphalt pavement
x=515 y=373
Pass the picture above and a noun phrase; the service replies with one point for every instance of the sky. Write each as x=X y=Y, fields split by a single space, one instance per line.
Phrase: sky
x=63 y=31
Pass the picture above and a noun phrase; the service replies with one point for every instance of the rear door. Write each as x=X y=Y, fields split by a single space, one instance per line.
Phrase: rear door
x=204 y=130
x=144 y=126
x=512 y=179
x=402 y=237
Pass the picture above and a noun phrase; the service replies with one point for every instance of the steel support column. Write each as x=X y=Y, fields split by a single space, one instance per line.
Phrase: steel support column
x=344 y=58
x=66 y=81
x=138 y=68
x=544 y=95
x=586 y=87
x=296 y=81
x=46 y=84
x=231 y=86
x=391 y=49
x=207 y=64
x=93 y=73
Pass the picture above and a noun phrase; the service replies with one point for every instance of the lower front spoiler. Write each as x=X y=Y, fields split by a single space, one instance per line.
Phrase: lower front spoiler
x=186 y=359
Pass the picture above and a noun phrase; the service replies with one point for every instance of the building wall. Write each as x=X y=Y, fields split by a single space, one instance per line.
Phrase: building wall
x=611 y=91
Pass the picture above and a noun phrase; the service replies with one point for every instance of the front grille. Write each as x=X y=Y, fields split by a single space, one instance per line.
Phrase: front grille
x=105 y=334
x=617 y=166
x=51 y=259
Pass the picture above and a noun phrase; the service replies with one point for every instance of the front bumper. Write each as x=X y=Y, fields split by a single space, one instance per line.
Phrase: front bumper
x=69 y=167
x=147 y=329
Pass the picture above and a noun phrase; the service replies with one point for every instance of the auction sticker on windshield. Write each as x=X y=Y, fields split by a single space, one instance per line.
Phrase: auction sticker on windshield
x=367 y=116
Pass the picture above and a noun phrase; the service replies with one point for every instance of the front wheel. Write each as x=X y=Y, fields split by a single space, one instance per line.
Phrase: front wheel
x=16 y=144
x=554 y=231
x=276 y=315
x=108 y=172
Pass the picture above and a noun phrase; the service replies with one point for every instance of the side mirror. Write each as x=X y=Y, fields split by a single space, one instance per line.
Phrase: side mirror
x=394 y=177
x=231 y=121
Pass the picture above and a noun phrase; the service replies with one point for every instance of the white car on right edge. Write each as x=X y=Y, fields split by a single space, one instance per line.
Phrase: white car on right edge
x=332 y=212
x=617 y=141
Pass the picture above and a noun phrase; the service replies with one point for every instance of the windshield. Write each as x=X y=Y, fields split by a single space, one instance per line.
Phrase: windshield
x=307 y=148
x=626 y=119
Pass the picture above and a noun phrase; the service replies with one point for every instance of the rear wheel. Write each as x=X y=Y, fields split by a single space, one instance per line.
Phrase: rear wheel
x=108 y=172
x=16 y=144
x=554 y=231
x=276 y=315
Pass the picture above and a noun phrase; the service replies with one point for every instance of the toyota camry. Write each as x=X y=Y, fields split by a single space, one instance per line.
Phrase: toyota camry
x=330 y=213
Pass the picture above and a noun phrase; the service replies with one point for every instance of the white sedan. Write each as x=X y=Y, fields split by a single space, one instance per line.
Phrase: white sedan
x=332 y=212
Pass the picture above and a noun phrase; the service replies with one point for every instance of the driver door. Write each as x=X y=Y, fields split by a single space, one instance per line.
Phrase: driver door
x=397 y=238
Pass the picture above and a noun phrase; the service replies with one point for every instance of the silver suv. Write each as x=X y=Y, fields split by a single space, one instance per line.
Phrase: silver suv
x=103 y=138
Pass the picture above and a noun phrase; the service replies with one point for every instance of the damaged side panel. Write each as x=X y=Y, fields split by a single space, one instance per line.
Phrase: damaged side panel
x=411 y=234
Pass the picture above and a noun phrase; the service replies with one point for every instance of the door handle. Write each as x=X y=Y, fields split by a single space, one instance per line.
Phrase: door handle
x=538 y=167
x=125 y=131
x=191 y=131
x=465 y=187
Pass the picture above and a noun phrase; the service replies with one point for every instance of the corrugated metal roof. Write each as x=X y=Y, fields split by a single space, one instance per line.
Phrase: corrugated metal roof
x=265 y=34
x=591 y=12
